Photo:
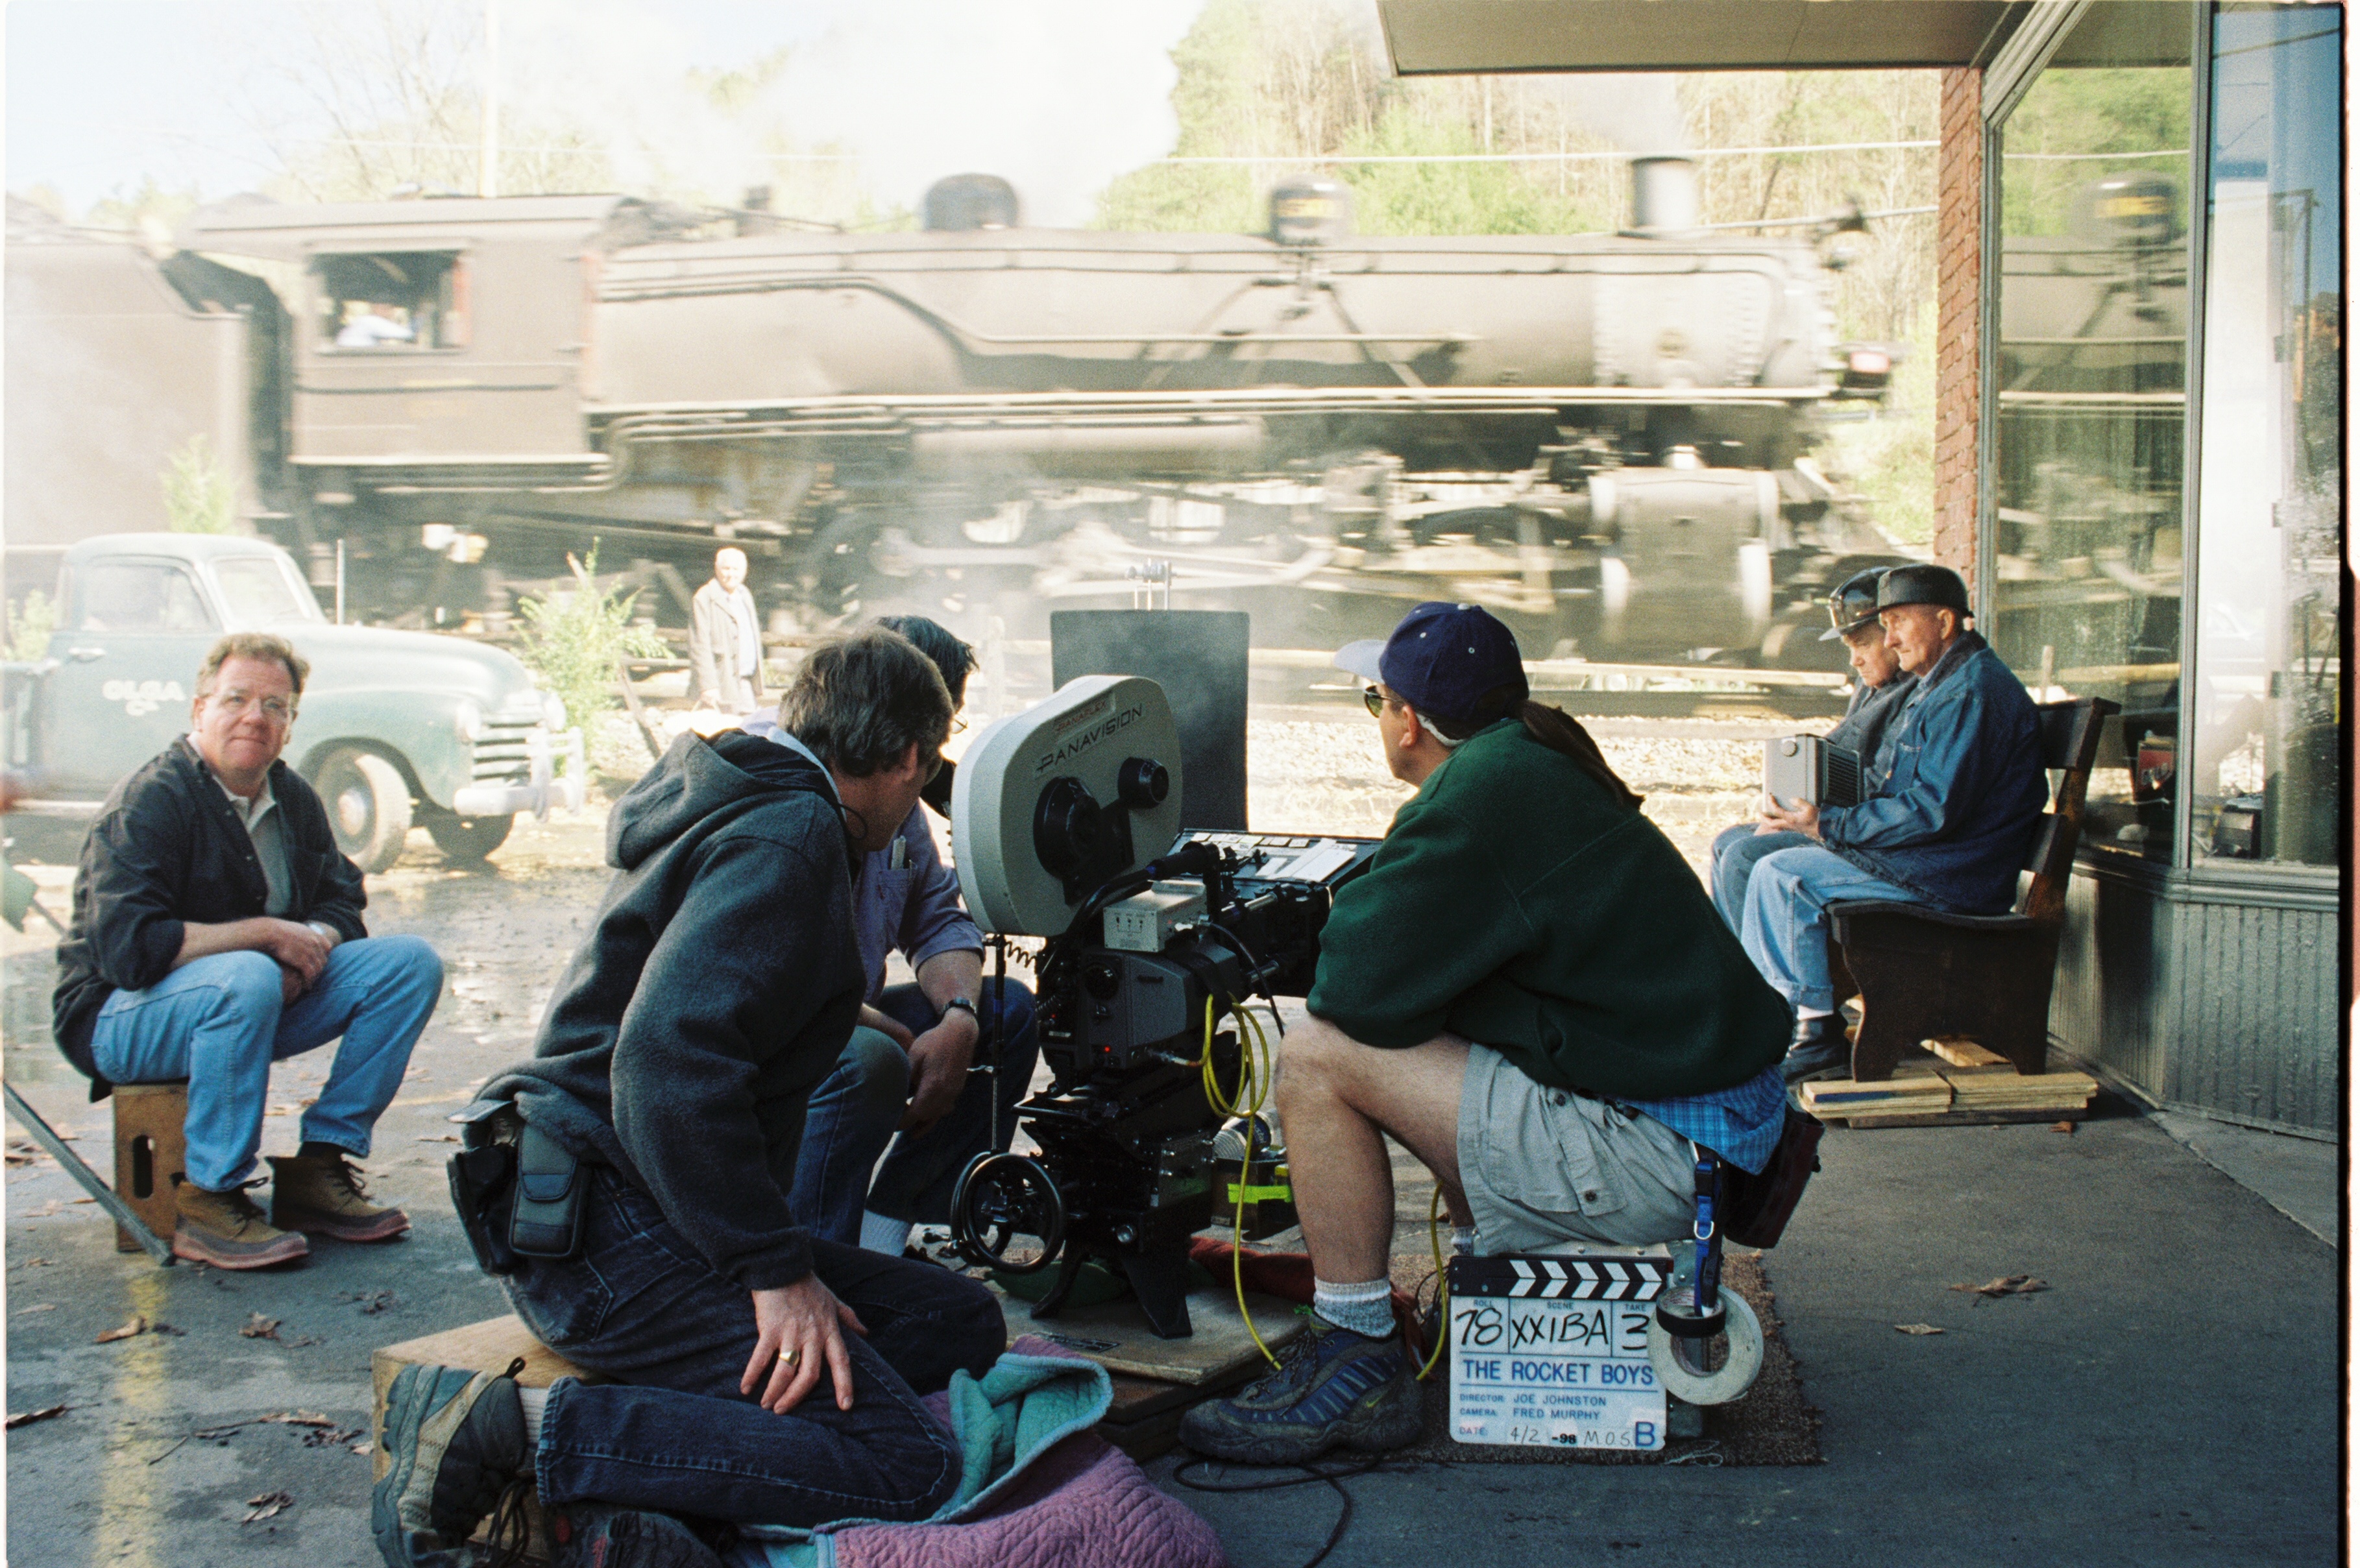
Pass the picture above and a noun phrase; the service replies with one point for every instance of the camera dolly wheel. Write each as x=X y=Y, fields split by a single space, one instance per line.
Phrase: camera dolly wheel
x=1002 y=1197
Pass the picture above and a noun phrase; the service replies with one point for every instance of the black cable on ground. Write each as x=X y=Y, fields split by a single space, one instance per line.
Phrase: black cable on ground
x=1312 y=1475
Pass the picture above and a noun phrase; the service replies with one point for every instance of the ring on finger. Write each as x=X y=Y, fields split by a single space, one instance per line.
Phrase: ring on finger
x=792 y=1358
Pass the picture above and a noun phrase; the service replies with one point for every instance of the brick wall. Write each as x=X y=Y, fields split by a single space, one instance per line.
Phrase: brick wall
x=1958 y=268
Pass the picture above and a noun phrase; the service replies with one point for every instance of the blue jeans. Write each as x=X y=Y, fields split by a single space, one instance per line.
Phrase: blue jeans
x=1785 y=927
x=854 y=1110
x=219 y=1023
x=639 y=1305
x=1734 y=855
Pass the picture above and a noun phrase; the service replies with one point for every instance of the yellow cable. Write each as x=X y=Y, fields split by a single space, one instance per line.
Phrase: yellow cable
x=1441 y=1284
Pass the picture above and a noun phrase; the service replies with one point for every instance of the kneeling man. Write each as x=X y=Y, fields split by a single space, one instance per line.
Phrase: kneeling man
x=670 y=1079
x=1528 y=988
x=216 y=930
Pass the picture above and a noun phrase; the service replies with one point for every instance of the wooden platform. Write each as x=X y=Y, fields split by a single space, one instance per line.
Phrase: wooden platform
x=1117 y=1338
x=1958 y=1083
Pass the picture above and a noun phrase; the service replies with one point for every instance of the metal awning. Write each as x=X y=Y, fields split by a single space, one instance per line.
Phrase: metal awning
x=1441 y=37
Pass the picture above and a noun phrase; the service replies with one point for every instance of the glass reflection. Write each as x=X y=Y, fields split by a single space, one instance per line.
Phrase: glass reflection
x=2264 y=766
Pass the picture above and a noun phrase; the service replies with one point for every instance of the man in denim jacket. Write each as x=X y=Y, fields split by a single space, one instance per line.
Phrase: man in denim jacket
x=1951 y=801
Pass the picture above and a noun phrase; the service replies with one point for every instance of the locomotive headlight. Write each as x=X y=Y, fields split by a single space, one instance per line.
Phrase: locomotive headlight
x=469 y=722
x=552 y=712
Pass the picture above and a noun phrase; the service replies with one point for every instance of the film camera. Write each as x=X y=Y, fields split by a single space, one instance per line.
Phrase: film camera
x=1065 y=819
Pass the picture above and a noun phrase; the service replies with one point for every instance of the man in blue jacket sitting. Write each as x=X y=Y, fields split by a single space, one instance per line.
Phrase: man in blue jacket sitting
x=1951 y=800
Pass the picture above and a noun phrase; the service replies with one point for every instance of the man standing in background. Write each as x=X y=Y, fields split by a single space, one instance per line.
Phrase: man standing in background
x=724 y=639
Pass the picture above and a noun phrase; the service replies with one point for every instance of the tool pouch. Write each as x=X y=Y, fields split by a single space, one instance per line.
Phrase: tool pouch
x=1754 y=1209
x=546 y=1214
x=482 y=1179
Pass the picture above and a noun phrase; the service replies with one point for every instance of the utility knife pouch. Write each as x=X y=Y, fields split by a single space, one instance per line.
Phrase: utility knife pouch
x=482 y=1179
x=545 y=1217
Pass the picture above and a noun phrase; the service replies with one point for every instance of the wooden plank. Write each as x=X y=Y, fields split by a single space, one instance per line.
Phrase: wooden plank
x=1969 y=1118
x=1961 y=1051
x=1116 y=1336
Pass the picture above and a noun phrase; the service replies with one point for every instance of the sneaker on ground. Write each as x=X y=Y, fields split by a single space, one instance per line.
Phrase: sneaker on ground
x=455 y=1444
x=1332 y=1387
x=322 y=1195
x=594 y=1535
x=227 y=1230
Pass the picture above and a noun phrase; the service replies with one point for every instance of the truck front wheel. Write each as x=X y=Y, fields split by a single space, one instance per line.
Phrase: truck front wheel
x=467 y=840
x=369 y=805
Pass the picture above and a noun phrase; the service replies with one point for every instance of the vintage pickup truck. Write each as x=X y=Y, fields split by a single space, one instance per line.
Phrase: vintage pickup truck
x=395 y=727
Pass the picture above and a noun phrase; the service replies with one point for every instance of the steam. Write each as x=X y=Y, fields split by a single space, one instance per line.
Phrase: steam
x=1640 y=112
x=1058 y=96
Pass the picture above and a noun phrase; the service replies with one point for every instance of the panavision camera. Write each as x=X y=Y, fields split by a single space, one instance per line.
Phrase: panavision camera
x=1065 y=819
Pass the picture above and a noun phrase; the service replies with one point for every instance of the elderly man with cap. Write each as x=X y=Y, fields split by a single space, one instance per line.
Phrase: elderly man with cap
x=1527 y=988
x=1951 y=800
x=1882 y=692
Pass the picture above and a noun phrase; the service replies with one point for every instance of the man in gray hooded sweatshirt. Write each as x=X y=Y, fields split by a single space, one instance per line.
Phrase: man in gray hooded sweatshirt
x=716 y=989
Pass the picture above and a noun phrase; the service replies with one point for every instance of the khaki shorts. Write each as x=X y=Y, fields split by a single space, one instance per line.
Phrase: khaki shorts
x=1543 y=1166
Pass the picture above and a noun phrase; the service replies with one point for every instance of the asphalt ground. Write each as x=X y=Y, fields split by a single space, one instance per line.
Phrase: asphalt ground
x=2174 y=1397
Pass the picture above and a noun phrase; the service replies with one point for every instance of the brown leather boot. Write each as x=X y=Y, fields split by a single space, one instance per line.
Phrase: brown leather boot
x=227 y=1230
x=322 y=1195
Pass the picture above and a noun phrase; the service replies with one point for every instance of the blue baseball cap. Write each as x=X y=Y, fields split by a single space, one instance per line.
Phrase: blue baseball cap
x=1442 y=659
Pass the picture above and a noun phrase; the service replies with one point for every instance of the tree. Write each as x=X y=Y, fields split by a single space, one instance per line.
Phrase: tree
x=198 y=495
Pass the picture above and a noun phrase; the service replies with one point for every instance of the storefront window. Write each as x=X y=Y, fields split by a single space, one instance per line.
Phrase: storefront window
x=2092 y=389
x=2262 y=769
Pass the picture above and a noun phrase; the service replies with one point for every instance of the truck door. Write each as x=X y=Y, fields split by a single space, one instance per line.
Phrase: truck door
x=136 y=630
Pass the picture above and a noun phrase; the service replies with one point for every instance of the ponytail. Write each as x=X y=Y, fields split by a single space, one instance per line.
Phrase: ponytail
x=1560 y=732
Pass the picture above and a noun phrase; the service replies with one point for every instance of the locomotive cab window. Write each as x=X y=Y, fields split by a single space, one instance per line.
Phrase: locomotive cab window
x=391 y=301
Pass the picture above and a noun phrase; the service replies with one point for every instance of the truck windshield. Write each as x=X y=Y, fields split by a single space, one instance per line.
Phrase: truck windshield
x=258 y=590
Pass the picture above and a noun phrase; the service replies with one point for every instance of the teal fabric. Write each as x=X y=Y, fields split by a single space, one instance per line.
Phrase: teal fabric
x=1011 y=1416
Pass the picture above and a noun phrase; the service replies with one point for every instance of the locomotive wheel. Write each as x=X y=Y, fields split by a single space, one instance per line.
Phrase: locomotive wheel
x=1000 y=1200
x=369 y=805
x=467 y=840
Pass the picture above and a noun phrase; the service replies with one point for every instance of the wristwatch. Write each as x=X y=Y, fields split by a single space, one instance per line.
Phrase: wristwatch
x=960 y=1004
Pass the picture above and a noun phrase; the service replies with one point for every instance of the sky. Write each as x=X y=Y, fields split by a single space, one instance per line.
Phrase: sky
x=101 y=93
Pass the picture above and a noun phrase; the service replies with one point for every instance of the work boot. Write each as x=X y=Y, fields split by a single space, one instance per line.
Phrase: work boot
x=596 y=1535
x=227 y=1230
x=1820 y=1050
x=1332 y=1386
x=456 y=1446
x=321 y=1194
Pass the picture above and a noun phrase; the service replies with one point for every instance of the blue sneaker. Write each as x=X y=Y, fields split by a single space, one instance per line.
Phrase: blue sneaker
x=456 y=1442
x=1331 y=1388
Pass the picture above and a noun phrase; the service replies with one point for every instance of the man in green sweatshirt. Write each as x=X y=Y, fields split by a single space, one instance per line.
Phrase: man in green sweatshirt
x=1531 y=990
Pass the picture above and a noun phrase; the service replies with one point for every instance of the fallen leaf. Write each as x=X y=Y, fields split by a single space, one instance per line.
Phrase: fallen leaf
x=2009 y=1285
x=137 y=1325
x=297 y=1417
x=441 y=1137
x=268 y=1505
x=1917 y=1328
x=260 y=1327
x=85 y=1200
x=43 y=1307
x=364 y=1449
x=36 y=1263
x=309 y=1103
x=282 y=1110
x=29 y=1416
x=2065 y=1127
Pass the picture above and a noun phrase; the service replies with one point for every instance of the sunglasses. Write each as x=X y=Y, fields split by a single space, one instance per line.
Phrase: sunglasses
x=1376 y=699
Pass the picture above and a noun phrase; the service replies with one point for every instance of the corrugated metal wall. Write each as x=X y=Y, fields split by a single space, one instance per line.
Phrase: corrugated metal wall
x=2224 y=1009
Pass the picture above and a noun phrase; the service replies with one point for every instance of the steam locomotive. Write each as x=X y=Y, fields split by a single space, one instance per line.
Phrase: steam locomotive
x=1605 y=438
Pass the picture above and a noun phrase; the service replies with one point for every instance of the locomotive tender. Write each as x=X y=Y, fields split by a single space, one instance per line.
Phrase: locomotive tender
x=1603 y=437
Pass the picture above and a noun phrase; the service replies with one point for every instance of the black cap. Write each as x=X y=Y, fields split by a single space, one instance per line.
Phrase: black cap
x=1923 y=585
x=1852 y=606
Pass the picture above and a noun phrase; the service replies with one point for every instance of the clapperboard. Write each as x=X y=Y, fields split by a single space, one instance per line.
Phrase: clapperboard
x=1549 y=1350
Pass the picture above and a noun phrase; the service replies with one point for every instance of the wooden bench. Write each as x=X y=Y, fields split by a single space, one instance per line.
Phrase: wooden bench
x=1922 y=973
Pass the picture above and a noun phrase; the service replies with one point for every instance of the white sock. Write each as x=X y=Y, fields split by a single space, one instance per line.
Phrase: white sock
x=535 y=1401
x=1462 y=1240
x=1366 y=1309
x=879 y=1233
x=1801 y=1013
